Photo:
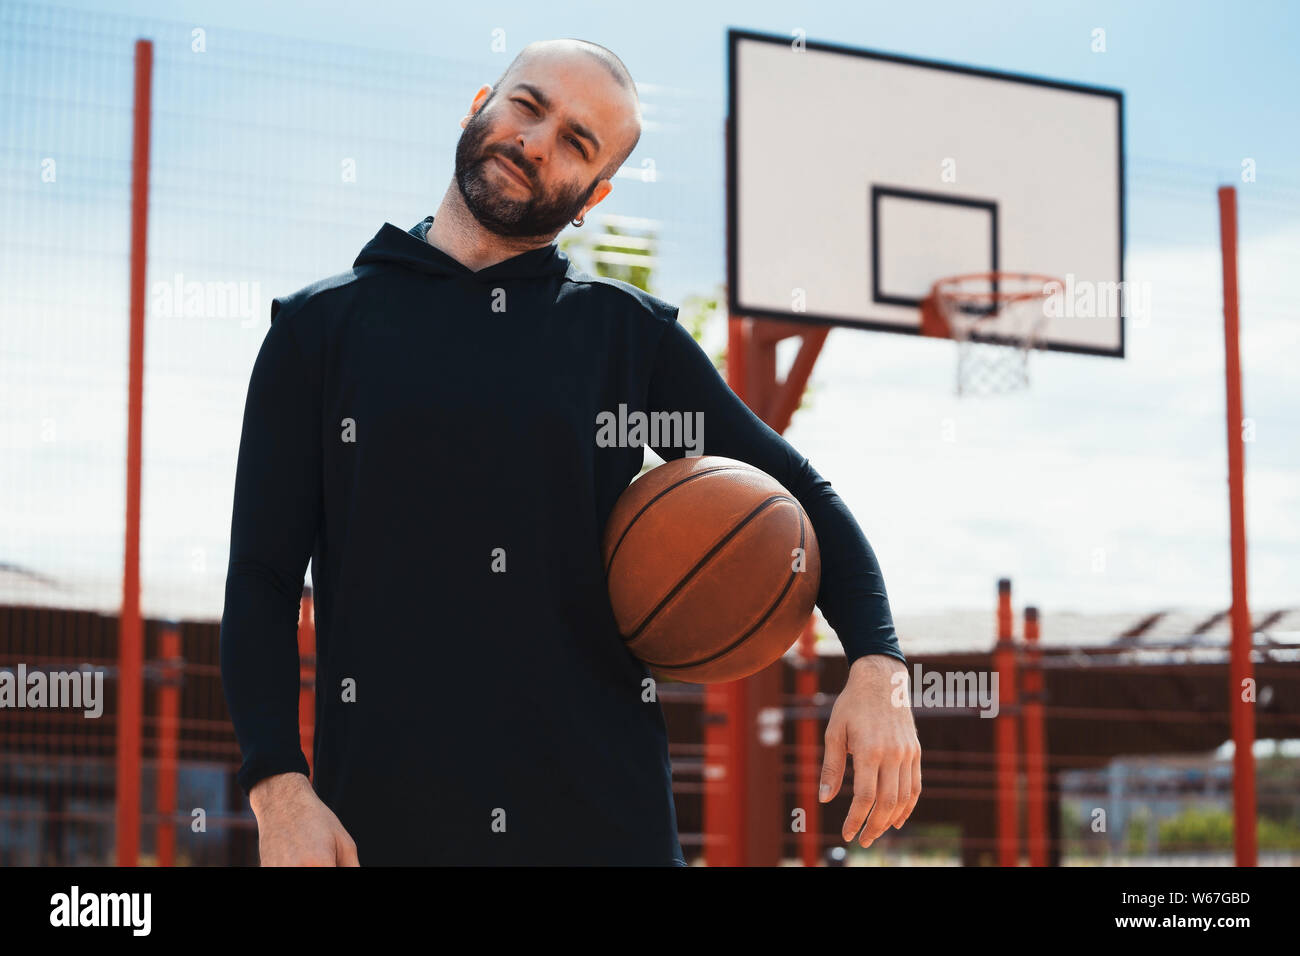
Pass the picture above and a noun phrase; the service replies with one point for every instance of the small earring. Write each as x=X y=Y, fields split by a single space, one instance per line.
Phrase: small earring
x=579 y=221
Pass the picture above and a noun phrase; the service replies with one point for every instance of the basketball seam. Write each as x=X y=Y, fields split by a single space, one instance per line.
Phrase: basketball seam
x=646 y=507
x=717 y=546
x=763 y=620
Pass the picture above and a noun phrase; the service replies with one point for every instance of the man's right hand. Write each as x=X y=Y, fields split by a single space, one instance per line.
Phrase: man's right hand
x=295 y=828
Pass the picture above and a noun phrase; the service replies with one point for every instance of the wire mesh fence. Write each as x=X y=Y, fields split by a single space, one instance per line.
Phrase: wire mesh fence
x=273 y=161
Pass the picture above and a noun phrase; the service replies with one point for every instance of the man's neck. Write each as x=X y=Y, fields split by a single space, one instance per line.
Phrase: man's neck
x=456 y=232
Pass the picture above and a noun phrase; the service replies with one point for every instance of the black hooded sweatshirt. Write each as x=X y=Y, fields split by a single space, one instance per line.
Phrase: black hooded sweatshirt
x=426 y=435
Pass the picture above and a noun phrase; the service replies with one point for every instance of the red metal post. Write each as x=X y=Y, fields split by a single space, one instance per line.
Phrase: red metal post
x=774 y=401
x=130 y=630
x=725 y=738
x=766 y=820
x=307 y=675
x=1004 y=663
x=1241 y=669
x=169 y=721
x=1035 y=744
x=808 y=747
x=722 y=819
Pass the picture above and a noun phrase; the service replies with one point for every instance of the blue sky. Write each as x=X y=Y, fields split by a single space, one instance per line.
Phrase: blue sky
x=1204 y=79
x=1125 y=459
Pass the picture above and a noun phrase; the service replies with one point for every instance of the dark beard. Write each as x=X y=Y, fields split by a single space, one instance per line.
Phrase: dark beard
x=540 y=216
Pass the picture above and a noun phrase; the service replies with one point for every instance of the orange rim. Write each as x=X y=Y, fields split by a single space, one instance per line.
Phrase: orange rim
x=942 y=291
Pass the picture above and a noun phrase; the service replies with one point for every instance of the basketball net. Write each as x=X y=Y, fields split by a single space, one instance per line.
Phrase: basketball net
x=995 y=318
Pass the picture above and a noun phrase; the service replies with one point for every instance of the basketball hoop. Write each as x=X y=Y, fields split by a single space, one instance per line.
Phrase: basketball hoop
x=995 y=319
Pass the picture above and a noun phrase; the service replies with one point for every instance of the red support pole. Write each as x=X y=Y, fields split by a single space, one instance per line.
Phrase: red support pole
x=1004 y=663
x=130 y=631
x=307 y=675
x=725 y=738
x=1035 y=744
x=753 y=810
x=169 y=714
x=1241 y=668
x=808 y=747
x=722 y=822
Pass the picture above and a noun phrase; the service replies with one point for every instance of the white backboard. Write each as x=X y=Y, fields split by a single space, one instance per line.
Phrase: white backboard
x=856 y=179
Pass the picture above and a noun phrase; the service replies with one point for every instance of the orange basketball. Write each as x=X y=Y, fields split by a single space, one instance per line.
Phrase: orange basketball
x=712 y=568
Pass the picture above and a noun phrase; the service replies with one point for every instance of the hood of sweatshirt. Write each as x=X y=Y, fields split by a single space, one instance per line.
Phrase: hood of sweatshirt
x=412 y=250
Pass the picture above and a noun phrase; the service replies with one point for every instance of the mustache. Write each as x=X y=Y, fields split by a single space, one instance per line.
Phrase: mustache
x=525 y=167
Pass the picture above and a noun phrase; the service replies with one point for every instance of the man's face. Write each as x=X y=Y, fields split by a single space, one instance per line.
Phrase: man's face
x=538 y=122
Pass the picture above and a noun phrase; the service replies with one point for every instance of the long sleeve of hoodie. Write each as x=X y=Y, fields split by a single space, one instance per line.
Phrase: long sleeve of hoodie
x=852 y=594
x=276 y=516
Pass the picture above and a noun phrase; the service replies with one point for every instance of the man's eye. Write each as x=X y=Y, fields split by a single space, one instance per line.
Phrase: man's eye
x=532 y=109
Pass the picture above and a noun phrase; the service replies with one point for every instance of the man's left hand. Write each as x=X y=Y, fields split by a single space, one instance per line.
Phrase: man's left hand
x=869 y=722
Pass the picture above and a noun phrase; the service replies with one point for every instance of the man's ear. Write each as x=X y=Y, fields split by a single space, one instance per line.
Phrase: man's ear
x=476 y=104
x=603 y=189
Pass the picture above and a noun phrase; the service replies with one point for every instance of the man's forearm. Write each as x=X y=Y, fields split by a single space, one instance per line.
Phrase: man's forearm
x=276 y=515
x=261 y=674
